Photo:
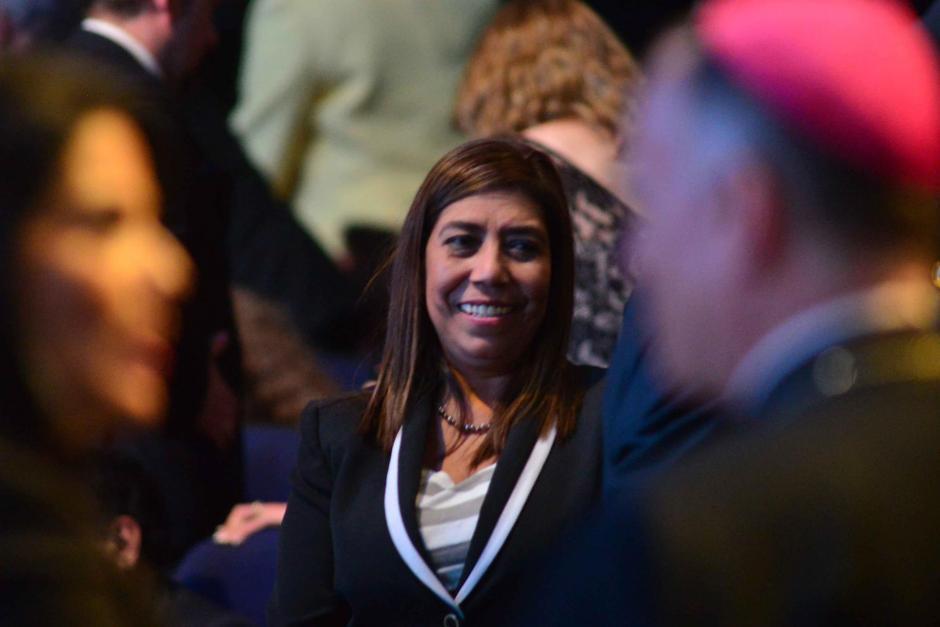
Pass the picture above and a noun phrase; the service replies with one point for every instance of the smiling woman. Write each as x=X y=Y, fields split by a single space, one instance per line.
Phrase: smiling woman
x=422 y=501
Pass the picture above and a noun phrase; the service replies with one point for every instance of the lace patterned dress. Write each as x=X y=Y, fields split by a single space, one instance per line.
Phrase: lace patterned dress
x=601 y=222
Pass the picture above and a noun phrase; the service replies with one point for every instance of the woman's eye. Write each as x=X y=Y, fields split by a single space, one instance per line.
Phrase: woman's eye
x=524 y=248
x=461 y=244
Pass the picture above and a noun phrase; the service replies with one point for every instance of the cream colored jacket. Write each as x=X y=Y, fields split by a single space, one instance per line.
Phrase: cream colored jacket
x=346 y=104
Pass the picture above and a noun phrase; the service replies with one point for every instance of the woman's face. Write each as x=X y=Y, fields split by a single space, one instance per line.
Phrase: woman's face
x=99 y=284
x=488 y=268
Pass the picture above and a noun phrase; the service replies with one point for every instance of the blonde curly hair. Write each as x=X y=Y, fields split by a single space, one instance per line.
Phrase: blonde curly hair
x=544 y=60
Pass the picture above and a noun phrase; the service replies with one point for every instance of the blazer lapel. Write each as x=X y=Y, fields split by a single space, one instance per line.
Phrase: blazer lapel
x=413 y=442
x=516 y=473
x=401 y=489
x=521 y=440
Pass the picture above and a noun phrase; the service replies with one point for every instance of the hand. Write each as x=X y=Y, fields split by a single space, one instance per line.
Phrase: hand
x=246 y=519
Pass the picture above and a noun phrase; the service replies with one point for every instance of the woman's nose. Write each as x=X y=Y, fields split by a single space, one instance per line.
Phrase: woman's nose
x=172 y=271
x=489 y=265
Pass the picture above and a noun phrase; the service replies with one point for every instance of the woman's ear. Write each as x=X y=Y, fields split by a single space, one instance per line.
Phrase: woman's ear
x=124 y=541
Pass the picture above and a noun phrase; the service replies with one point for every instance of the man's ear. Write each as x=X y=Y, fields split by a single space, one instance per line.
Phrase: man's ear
x=124 y=541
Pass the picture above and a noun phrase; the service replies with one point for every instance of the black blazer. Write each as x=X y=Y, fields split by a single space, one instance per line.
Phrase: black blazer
x=200 y=481
x=343 y=559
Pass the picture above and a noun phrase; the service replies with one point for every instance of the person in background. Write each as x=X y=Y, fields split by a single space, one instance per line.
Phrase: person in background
x=344 y=105
x=132 y=526
x=553 y=72
x=422 y=499
x=154 y=45
x=92 y=289
x=25 y=24
x=790 y=170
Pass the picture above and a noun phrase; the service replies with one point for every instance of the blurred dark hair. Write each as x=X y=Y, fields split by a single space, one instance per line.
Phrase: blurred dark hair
x=123 y=488
x=45 y=21
x=413 y=362
x=42 y=98
x=133 y=8
x=124 y=8
x=860 y=210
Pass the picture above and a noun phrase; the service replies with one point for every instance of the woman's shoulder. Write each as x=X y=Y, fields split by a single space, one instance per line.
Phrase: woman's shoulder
x=593 y=381
x=334 y=419
x=591 y=377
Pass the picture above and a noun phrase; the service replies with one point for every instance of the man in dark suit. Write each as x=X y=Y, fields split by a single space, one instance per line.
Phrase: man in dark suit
x=153 y=45
x=791 y=194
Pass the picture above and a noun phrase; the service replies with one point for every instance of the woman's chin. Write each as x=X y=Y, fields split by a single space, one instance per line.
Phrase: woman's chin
x=143 y=402
x=489 y=359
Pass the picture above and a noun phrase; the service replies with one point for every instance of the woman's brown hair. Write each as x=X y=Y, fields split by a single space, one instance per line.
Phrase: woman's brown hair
x=545 y=388
x=544 y=60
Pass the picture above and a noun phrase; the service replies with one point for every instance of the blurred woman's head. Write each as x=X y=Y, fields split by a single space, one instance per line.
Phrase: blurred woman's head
x=92 y=280
x=546 y=60
x=482 y=280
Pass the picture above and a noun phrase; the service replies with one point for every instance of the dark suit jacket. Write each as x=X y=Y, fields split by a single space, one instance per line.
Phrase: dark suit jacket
x=646 y=426
x=201 y=481
x=826 y=516
x=352 y=551
x=268 y=251
x=826 y=513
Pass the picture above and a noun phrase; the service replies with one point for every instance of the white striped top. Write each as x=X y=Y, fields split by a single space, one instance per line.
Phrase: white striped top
x=447 y=517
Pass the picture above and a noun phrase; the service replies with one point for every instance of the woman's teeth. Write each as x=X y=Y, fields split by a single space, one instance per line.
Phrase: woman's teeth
x=484 y=311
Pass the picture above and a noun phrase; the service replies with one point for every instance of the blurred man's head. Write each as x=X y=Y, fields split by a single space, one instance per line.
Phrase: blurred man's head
x=178 y=32
x=787 y=152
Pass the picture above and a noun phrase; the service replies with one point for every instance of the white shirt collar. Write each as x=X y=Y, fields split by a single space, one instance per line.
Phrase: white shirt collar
x=122 y=38
x=891 y=306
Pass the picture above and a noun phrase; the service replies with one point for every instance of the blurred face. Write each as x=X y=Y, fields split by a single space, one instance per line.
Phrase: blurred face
x=682 y=255
x=100 y=281
x=488 y=268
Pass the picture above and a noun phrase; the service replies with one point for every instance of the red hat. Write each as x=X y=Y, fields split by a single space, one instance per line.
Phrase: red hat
x=858 y=77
